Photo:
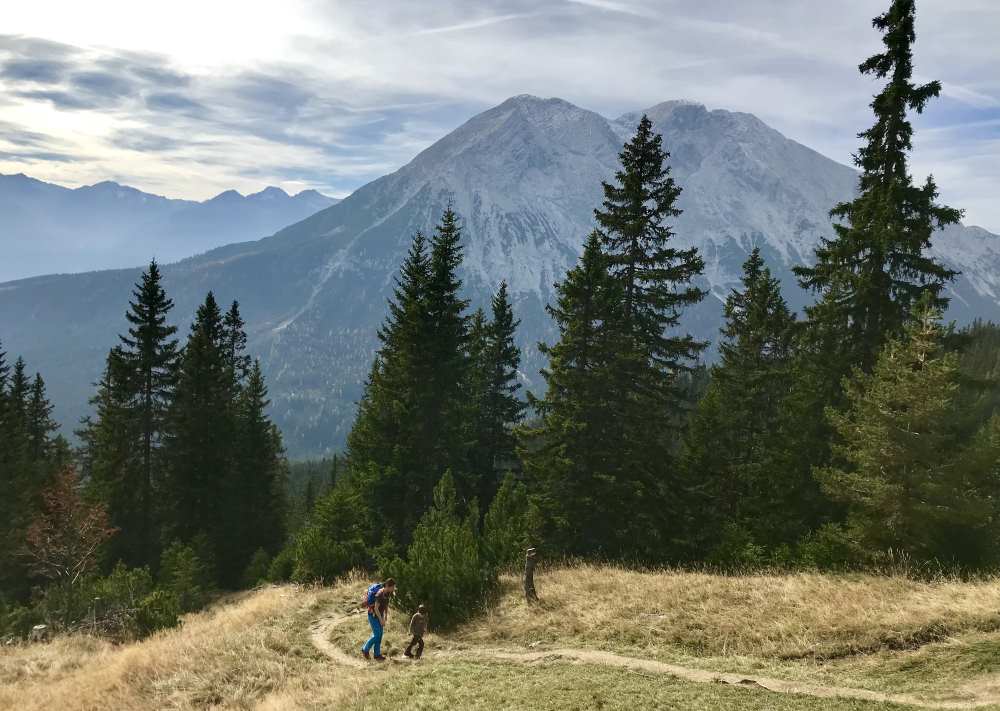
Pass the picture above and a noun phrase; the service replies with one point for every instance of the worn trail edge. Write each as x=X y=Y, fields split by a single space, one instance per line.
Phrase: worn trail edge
x=320 y=634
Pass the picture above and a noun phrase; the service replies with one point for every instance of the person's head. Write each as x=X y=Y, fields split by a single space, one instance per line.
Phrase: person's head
x=422 y=609
x=390 y=585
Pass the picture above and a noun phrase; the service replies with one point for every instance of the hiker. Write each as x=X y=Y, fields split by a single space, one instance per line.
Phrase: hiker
x=377 y=601
x=418 y=626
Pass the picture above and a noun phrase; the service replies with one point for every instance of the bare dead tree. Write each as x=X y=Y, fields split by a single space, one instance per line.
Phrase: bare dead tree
x=63 y=540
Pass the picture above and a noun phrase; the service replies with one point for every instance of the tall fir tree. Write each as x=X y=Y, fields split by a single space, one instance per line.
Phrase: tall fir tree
x=235 y=343
x=448 y=349
x=567 y=454
x=111 y=459
x=480 y=460
x=877 y=268
x=199 y=433
x=387 y=446
x=733 y=453
x=646 y=395
x=29 y=460
x=256 y=496
x=500 y=408
x=150 y=354
x=40 y=425
x=411 y=424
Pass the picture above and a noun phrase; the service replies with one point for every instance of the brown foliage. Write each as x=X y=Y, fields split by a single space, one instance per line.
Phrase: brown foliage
x=62 y=541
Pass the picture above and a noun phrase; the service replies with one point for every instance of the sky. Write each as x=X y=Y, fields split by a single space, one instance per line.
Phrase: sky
x=188 y=99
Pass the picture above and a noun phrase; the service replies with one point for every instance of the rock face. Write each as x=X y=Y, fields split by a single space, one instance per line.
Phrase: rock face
x=49 y=228
x=525 y=177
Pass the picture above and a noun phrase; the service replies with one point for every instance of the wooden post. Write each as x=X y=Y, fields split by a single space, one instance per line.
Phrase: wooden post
x=530 y=559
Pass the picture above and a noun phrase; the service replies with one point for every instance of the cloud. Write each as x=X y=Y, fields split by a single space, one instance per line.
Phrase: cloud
x=331 y=95
x=39 y=71
x=171 y=101
x=38 y=156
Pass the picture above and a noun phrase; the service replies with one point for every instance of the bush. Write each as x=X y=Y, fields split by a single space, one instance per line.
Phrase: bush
x=737 y=549
x=158 y=610
x=256 y=572
x=333 y=541
x=282 y=565
x=17 y=620
x=444 y=568
x=828 y=548
x=123 y=588
x=185 y=575
x=506 y=527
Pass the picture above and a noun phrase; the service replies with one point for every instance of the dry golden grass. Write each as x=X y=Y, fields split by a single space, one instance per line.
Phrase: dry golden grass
x=797 y=616
x=252 y=651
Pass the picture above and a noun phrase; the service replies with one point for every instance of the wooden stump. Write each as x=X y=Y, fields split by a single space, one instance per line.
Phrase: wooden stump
x=530 y=560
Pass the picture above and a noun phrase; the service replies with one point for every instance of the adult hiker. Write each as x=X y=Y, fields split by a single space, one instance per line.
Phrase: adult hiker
x=377 y=600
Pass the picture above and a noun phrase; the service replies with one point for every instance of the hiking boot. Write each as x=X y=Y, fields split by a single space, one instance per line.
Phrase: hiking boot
x=366 y=655
x=408 y=654
x=379 y=659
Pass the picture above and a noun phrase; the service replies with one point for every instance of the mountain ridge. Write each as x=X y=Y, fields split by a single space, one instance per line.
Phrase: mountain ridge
x=524 y=177
x=111 y=225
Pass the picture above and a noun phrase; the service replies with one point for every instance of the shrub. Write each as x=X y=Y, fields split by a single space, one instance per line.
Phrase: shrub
x=737 y=549
x=158 y=610
x=828 y=548
x=185 y=575
x=257 y=568
x=506 y=527
x=282 y=565
x=17 y=620
x=444 y=568
x=333 y=541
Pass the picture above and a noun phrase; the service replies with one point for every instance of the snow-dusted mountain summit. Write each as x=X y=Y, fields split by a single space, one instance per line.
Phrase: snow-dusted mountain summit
x=525 y=177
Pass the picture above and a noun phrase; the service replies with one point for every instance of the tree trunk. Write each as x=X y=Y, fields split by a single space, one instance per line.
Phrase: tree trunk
x=530 y=560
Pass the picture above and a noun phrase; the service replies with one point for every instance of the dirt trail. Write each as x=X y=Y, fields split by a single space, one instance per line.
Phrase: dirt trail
x=320 y=633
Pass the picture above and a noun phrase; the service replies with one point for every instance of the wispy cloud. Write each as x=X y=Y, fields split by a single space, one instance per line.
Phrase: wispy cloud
x=472 y=24
x=330 y=95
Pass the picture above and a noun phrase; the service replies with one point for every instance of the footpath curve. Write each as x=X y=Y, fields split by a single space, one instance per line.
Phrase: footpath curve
x=321 y=628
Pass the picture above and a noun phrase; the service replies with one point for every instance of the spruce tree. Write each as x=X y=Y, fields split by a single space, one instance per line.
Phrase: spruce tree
x=41 y=426
x=733 y=450
x=235 y=343
x=896 y=449
x=496 y=409
x=150 y=355
x=656 y=282
x=568 y=454
x=655 y=277
x=111 y=459
x=199 y=434
x=869 y=277
x=447 y=347
x=480 y=458
x=876 y=269
x=388 y=435
x=502 y=408
x=256 y=497
x=411 y=424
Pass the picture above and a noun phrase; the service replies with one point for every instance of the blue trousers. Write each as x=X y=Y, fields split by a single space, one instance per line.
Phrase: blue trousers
x=376 y=639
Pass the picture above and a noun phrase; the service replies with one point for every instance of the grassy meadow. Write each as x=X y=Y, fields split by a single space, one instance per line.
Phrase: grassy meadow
x=927 y=644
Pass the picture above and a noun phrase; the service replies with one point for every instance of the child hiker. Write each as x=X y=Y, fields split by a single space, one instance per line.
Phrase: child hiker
x=377 y=600
x=418 y=626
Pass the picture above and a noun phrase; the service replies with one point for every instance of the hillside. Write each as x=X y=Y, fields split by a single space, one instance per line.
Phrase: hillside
x=49 y=228
x=524 y=176
x=602 y=638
